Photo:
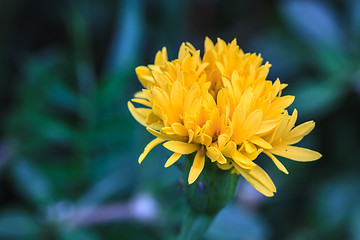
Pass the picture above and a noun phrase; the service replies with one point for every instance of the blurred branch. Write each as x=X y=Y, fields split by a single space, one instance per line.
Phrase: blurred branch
x=142 y=207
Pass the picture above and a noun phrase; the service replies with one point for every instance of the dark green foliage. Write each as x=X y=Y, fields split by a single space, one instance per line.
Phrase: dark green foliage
x=69 y=146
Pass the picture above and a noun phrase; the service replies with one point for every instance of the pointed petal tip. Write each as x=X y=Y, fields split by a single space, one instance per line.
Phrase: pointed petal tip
x=149 y=147
x=268 y=194
x=181 y=147
x=141 y=158
x=172 y=159
x=197 y=166
x=191 y=180
x=319 y=155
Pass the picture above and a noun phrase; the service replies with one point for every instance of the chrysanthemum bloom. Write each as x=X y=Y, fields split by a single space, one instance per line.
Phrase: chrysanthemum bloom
x=221 y=106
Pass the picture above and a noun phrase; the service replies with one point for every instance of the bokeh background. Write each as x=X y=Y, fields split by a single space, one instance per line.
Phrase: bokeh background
x=69 y=147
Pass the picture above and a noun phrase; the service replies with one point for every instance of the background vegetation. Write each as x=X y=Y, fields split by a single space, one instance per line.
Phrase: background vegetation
x=69 y=147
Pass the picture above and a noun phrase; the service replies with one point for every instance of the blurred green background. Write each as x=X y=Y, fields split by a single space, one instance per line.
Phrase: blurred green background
x=69 y=147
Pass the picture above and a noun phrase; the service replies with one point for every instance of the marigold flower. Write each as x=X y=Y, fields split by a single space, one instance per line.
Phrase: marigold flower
x=220 y=106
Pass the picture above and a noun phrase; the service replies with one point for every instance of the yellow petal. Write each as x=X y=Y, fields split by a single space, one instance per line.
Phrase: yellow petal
x=225 y=166
x=229 y=149
x=160 y=97
x=145 y=77
x=197 y=166
x=182 y=52
x=203 y=139
x=292 y=121
x=298 y=133
x=282 y=102
x=139 y=114
x=247 y=98
x=296 y=153
x=260 y=142
x=253 y=120
x=177 y=95
x=238 y=117
x=179 y=129
x=172 y=159
x=167 y=131
x=280 y=129
x=221 y=68
x=249 y=147
x=221 y=159
x=142 y=101
x=276 y=87
x=237 y=85
x=201 y=68
x=242 y=160
x=181 y=147
x=254 y=155
x=282 y=86
x=191 y=96
x=267 y=126
x=276 y=161
x=213 y=153
x=150 y=146
x=222 y=101
x=222 y=140
x=208 y=44
x=158 y=58
x=140 y=94
x=259 y=179
x=191 y=135
x=161 y=57
x=251 y=125
x=165 y=136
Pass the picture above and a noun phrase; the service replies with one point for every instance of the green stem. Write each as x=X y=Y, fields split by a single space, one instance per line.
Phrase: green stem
x=194 y=225
x=210 y=193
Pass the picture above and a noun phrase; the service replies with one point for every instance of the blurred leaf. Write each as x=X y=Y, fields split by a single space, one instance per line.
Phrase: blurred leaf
x=17 y=224
x=34 y=124
x=78 y=234
x=284 y=56
x=314 y=99
x=354 y=14
x=333 y=63
x=334 y=200
x=355 y=223
x=125 y=47
x=31 y=183
x=314 y=22
x=61 y=96
x=236 y=222
x=113 y=133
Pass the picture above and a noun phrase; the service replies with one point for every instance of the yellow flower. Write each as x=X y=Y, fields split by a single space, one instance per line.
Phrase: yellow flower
x=220 y=106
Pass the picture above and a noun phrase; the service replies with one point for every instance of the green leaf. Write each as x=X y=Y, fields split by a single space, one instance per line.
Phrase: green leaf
x=125 y=47
x=79 y=235
x=316 y=100
x=355 y=223
x=314 y=22
x=17 y=224
x=334 y=200
x=31 y=183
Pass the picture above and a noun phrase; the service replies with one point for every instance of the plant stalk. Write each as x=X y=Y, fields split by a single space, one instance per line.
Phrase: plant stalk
x=194 y=225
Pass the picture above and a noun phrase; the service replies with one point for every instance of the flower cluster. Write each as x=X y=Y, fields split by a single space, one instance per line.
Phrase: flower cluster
x=221 y=106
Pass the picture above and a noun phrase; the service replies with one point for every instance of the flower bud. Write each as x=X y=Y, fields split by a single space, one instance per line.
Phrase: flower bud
x=212 y=190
